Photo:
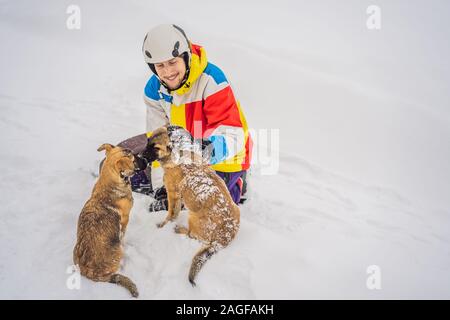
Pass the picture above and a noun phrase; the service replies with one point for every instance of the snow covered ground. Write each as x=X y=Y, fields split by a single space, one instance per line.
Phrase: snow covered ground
x=364 y=125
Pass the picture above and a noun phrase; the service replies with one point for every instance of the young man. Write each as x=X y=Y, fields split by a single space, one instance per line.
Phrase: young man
x=187 y=90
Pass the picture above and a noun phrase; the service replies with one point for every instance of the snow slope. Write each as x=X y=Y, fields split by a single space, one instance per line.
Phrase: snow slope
x=364 y=130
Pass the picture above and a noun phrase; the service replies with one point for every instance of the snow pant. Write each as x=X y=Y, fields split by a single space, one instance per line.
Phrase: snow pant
x=235 y=181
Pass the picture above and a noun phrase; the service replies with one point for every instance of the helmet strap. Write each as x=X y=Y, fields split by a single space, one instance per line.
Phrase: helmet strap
x=152 y=67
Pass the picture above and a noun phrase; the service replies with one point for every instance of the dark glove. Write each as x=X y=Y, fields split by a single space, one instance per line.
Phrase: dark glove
x=207 y=148
x=203 y=142
x=140 y=163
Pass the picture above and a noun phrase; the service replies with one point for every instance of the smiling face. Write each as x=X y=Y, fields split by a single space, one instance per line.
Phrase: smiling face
x=172 y=72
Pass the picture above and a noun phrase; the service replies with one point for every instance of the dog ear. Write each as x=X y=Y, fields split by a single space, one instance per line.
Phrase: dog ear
x=159 y=131
x=124 y=164
x=105 y=146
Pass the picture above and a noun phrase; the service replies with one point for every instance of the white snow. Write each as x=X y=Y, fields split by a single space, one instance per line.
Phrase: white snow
x=364 y=126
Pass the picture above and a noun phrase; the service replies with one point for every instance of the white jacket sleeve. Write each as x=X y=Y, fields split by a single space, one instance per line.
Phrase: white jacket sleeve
x=156 y=117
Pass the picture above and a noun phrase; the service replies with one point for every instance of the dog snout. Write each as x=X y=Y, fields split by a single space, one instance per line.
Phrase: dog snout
x=149 y=154
x=140 y=163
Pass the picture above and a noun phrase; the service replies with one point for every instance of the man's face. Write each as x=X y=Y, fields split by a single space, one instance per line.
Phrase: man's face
x=171 y=72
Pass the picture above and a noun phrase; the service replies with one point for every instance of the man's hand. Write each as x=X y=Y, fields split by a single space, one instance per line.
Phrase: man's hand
x=207 y=148
x=214 y=149
x=140 y=163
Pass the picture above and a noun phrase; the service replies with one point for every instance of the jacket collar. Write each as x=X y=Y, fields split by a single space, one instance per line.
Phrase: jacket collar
x=198 y=65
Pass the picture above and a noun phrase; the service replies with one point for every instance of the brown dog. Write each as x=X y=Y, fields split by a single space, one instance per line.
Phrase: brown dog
x=103 y=220
x=213 y=216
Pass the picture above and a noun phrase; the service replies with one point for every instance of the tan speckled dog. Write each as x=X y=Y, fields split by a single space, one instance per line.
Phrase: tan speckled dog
x=104 y=219
x=213 y=216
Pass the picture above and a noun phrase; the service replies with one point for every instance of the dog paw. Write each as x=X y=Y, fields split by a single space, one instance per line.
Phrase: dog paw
x=180 y=229
x=161 y=224
x=192 y=282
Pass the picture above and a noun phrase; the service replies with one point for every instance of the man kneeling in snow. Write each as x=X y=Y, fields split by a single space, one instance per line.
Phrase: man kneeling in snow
x=187 y=90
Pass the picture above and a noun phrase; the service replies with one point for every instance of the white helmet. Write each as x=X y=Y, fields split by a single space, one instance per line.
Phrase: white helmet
x=165 y=42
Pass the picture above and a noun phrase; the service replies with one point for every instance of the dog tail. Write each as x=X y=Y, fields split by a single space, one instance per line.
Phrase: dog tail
x=126 y=283
x=199 y=260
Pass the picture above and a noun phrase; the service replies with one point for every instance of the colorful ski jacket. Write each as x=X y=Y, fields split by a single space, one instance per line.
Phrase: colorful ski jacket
x=205 y=106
